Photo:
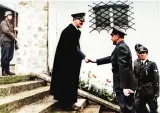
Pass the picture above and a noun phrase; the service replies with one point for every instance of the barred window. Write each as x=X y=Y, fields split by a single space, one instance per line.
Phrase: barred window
x=111 y=14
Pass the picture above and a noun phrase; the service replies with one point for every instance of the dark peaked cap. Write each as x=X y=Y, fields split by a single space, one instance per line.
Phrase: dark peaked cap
x=78 y=15
x=143 y=49
x=137 y=46
x=117 y=30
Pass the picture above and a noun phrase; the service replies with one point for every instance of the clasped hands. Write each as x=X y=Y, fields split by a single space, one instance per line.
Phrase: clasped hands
x=87 y=60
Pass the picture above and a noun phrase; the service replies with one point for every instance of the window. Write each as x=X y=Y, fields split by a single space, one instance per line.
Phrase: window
x=120 y=15
x=103 y=16
x=111 y=14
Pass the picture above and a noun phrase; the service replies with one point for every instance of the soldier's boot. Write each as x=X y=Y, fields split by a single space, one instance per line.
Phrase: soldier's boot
x=4 y=73
x=10 y=73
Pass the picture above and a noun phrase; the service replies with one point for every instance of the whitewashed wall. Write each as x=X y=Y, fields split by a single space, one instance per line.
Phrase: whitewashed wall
x=31 y=56
x=96 y=45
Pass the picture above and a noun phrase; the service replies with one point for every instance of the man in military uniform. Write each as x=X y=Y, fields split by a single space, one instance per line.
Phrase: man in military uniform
x=136 y=62
x=7 y=43
x=148 y=83
x=124 y=81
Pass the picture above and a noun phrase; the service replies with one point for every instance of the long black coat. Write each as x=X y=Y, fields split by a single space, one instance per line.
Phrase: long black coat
x=123 y=75
x=66 y=67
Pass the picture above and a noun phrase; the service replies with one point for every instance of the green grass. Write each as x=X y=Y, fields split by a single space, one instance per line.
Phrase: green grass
x=16 y=79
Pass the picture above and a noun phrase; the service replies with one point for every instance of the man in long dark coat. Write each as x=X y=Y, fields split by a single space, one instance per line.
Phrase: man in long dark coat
x=67 y=64
x=124 y=81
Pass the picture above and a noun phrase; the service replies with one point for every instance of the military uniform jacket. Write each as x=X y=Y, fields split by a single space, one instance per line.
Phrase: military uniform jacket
x=121 y=60
x=148 y=78
x=136 y=62
x=7 y=31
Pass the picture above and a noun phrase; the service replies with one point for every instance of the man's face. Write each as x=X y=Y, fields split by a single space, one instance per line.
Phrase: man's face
x=79 y=23
x=114 y=38
x=143 y=55
x=9 y=17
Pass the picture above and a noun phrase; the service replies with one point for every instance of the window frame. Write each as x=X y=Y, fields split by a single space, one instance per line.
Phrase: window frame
x=112 y=7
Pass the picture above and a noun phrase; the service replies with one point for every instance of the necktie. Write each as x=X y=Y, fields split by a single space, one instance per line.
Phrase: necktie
x=141 y=63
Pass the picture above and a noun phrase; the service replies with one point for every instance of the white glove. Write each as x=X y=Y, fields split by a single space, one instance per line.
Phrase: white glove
x=127 y=92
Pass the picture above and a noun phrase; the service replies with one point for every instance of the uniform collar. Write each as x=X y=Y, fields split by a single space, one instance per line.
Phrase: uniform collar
x=122 y=41
x=75 y=26
x=143 y=61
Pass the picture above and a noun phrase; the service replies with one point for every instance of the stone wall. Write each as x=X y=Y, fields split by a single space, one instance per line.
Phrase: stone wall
x=32 y=37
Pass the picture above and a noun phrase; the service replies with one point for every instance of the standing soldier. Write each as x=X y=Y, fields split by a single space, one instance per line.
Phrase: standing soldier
x=136 y=62
x=124 y=81
x=7 y=43
x=148 y=83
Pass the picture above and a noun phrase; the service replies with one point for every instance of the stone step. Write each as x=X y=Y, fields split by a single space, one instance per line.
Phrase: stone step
x=14 y=88
x=42 y=106
x=16 y=78
x=106 y=110
x=91 y=109
x=98 y=100
x=80 y=105
x=47 y=106
x=10 y=103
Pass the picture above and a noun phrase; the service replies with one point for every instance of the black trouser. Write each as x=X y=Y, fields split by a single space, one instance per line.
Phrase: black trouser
x=140 y=103
x=126 y=103
x=7 y=51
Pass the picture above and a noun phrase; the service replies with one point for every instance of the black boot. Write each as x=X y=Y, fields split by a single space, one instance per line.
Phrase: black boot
x=10 y=73
x=4 y=73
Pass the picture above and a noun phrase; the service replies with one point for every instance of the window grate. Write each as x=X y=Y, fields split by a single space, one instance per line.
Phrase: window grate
x=103 y=16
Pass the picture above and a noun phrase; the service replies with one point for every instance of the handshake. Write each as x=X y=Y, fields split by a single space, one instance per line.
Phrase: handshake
x=87 y=60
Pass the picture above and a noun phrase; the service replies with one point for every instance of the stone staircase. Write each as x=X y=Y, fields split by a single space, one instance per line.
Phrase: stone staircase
x=29 y=94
